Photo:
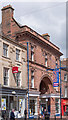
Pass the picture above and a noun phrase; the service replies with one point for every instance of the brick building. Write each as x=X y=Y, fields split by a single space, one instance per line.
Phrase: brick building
x=64 y=78
x=13 y=75
x=43 y=55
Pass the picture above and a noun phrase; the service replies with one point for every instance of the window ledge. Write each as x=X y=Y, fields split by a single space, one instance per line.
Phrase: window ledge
x=5 y=85
x=33 y=88
x=6 y=57
x=18 y=61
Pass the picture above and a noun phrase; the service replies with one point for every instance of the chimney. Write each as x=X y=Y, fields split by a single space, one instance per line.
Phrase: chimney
x=7 y=14
x=46 y=36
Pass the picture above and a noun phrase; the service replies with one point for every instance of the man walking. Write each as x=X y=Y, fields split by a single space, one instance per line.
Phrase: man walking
x=12 y=116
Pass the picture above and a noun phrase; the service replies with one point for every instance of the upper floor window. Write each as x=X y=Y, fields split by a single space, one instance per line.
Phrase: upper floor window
x=6 y=76
x=46 y=60
x=32 y=78
x=65 y=77
x=65 y=91
x=18 y=81
x=5 y=50
x=56 y=63
x=17 y=54
x=32 y=53
x=57 y=105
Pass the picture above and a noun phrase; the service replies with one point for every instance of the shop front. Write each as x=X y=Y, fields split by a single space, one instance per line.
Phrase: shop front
x=13 y=98
x=34 y=104
x=64 y=106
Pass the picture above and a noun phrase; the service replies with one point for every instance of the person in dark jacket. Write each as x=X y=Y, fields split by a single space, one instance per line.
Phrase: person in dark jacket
x=12 y=116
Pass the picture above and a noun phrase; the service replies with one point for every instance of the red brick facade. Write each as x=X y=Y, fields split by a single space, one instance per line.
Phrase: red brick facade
x=43 y=79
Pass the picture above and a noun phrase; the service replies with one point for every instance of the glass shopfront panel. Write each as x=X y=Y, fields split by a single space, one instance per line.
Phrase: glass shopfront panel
x=7 y=103
x=33 y=106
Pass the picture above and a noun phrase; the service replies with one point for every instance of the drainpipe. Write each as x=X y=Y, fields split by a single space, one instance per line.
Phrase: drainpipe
x=28 y=73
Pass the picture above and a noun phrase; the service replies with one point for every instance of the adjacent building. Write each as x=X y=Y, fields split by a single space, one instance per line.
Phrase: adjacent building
x=64 y=79
x=13 y=76
x=43 y=57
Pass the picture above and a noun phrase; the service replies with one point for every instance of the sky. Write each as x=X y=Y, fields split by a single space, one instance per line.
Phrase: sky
x=43 y=16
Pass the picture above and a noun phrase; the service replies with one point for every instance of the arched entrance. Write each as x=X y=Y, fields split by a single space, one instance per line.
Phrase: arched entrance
x=46 y=89
x=46 y=86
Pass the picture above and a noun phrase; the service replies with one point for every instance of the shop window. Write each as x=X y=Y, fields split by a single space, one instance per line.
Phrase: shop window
x=65 y=77
x=32 y=53
x=17 y=54
x=46 y=60
x=18 y=79
x=6 y=76
x=33 y=107
x=65 y=91
x=32 y=78
x=57 y=105
x=5 y=50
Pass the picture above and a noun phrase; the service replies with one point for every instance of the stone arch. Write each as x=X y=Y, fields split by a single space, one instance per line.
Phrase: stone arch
x=46 y=85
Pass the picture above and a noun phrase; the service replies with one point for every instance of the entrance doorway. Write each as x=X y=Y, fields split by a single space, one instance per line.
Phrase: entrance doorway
x=45 y=104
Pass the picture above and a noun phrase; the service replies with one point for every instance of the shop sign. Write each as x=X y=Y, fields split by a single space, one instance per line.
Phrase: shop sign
x=15 y=69
x=55 y=78
x=3 y=104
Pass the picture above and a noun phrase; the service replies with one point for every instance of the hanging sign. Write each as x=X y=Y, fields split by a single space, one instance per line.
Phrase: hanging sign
x=55 y=78
x=15 y=69
x=3 y=104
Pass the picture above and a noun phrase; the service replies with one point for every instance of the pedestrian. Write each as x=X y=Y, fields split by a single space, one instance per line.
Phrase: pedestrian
x=45 y=114
x=12 y=116
x=25 y=113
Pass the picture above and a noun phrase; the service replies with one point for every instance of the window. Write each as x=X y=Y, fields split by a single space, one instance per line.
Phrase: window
x=65 y=77
x=5 y=50
x=57 y=105
x=65 y=91
x=6 y=76
x=32 y=53
x=46 y=60
x=33 y=107
x=32 y=79
x=17 y=54
x=18 y=79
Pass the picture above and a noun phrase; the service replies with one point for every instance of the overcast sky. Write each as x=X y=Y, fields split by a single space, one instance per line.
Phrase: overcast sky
x=43 y=17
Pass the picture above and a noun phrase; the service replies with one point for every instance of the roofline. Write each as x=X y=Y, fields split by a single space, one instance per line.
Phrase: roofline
x=35 y=32
x=41 y=41
x=5 y=37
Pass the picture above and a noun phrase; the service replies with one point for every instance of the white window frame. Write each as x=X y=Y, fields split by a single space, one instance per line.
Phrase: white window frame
x=32 y=78
x=5 y=50
x=65 y=77
x=18 y=79
x=46 y=60
x=17 y=54
x=7 y=77
x=32 y=53
x=65 y=92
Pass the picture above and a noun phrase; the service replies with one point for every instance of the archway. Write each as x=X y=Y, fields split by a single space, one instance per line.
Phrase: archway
x=46 y=89
x=46 y=86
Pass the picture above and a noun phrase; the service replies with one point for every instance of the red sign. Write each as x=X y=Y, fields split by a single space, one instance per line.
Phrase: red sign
x=14 y=69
